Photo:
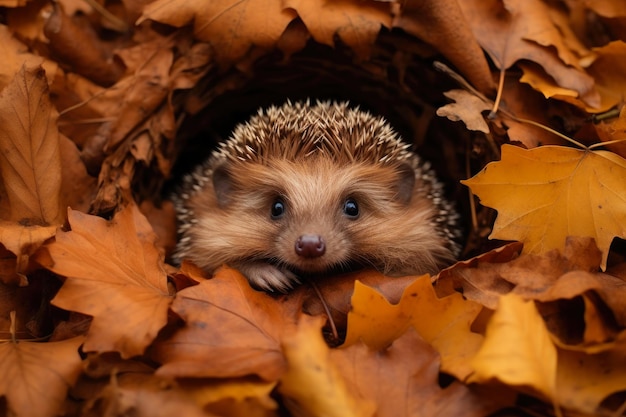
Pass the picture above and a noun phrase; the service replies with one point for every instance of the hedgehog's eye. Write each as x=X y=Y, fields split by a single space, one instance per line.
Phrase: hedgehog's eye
x=351 y=208
x=278 y=209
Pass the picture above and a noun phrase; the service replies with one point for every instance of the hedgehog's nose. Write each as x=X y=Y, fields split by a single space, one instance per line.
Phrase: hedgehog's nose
x=310 y=246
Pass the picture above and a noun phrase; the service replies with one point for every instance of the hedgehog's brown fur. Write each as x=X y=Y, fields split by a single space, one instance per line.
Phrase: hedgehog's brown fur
x=313 y=158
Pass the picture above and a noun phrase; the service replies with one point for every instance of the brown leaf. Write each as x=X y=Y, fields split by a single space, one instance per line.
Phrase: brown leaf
x=231 y=330
x=230 y=27
x=115 y=274
x=36 y=376
x=356 y=22
x=74 y=43
x=467 y=108
x=443 y=25
x=30 y=161
x=30 y=166
x=515 y=30
x=403 y=381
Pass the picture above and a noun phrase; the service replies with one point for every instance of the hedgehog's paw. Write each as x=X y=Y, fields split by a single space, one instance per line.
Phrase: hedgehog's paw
x=268 y=277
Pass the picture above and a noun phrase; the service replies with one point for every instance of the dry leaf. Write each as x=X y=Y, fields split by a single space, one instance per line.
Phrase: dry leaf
x=230 y=27
x=312 y=381
x=36 y=376
x=467 y=108
x=30 y=166
x=115 y=274
x=558 y=192
x=231 y=330
x=517 y=349
x=521 y=30
x=403 y=380
x=443 y=25
x=377 y=323
x=356 y=22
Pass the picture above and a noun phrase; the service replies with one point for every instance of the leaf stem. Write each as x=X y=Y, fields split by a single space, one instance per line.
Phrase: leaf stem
x=327 y=310
x=496 y=104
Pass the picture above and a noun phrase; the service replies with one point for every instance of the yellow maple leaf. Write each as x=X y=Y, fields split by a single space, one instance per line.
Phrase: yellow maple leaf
x=548 y=193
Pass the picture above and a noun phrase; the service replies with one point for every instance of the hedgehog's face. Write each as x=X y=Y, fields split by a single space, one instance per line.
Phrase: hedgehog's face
x=310 y=217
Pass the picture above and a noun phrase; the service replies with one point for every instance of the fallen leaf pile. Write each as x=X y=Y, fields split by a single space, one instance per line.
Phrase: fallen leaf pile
x=105 y=105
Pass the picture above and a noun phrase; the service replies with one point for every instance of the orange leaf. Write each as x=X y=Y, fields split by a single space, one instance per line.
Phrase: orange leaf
x=115 y=274
x=230 y=26
x=36 y=376
x=356 y=22
x=30 y=165
x=231 y=330
x=378 y=323
x=403 y=380
x=548 y=193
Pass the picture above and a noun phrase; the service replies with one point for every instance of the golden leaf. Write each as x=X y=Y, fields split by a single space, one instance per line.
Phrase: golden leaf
x=517 y=349
x=548 y=193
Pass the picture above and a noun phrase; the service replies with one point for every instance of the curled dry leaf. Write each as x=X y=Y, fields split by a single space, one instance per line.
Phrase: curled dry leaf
x=115 y=274
x=548 y=193
x=230 y=330
x=36 y=376
x=442 y=24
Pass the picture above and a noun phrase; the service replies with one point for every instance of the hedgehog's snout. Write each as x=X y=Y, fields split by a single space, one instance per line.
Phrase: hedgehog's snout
x=310 y=246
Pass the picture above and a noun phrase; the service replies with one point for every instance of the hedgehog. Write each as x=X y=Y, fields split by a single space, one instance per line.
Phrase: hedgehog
x=305 y=189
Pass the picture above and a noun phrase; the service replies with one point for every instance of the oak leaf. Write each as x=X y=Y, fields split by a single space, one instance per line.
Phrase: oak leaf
x=115 y=274
x=36 y=376
x=230 y=26
x=378 y=323
x=467 y=108
x=518 y=349
x=548 y=193
x=230 y=330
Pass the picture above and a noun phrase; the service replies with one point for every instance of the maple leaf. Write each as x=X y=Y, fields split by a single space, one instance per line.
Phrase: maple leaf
x=378 y=323
x=548 y=193
x=115 y=274
x=231 y=330
x=516 y=330
x=36 y=376
x=230 y=26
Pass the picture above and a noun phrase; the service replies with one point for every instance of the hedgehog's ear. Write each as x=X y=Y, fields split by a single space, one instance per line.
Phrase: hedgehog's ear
x=222 y=184
x=405 y=184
